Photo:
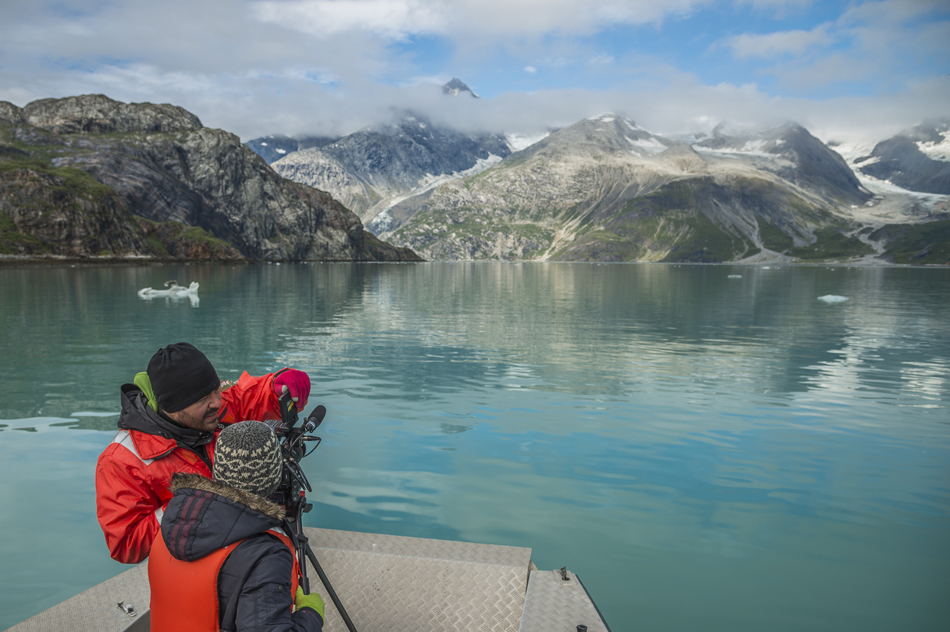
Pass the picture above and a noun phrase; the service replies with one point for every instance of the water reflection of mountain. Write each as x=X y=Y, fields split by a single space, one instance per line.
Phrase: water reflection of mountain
x=71 y=336
x=618 y=329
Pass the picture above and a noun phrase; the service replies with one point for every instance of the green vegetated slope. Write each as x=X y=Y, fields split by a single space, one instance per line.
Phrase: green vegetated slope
x=917 y=244
x=702 y=221
x=64 y=211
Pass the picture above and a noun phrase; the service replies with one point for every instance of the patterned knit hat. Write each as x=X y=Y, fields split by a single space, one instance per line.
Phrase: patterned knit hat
x=247 y=457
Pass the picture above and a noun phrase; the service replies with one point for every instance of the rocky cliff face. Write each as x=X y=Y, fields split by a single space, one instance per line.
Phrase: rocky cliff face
x=158 y=163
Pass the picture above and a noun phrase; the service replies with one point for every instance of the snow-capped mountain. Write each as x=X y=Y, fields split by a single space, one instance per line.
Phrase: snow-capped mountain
x=606 y=189
x=378 y=166
x=372 y=169
x=457 y=87
x=917 y=160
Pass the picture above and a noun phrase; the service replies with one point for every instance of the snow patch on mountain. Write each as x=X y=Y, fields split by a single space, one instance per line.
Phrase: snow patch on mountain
x=648 y=146
x=936 y=150
x=517 y=142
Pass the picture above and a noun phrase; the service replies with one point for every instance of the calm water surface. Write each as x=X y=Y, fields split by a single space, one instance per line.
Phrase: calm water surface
x=706 y=452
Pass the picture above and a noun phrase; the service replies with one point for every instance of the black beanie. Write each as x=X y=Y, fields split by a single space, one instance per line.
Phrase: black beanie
x=180 y=376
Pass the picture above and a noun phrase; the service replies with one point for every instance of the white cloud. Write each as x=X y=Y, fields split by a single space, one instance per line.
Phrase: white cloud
x=498 y=18
x=327 y=67
x=391 y=18
x=777 y=44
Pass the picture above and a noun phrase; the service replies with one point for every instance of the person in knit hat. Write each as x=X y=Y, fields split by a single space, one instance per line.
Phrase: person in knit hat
x=222 y=561
x=171 y=416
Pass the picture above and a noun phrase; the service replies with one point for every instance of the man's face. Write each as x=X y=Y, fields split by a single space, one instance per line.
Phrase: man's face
x=202 y=415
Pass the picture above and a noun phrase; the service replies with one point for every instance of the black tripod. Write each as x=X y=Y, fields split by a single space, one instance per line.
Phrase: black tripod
x=291 y=491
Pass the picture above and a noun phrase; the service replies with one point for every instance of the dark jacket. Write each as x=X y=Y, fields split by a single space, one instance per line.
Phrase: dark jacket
x=255 y=579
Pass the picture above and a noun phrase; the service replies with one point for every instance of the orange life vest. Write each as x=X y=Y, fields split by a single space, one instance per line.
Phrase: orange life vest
x=185 y=594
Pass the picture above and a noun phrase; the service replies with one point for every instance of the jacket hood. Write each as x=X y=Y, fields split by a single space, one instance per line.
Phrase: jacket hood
x=204 y=516
x=136 y=414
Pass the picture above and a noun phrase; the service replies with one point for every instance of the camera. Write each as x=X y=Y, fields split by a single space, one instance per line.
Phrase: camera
x=292 y=439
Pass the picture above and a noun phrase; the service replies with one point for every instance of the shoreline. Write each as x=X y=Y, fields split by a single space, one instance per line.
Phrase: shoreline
x=22 y=260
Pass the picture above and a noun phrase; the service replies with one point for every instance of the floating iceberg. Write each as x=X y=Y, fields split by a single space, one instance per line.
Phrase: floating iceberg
x=735 y=276
x=832 y=298
x=171 y=289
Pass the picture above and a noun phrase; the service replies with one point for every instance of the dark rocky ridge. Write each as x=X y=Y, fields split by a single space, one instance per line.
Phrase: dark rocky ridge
x=76 y=172
x=900 y=160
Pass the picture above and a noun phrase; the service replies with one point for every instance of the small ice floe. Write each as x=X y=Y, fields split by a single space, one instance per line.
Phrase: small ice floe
x=735 y=276
x=833 y=298
x=171 y=289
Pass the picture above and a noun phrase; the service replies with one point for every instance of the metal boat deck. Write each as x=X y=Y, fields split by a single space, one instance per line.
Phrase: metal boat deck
x=386 y=583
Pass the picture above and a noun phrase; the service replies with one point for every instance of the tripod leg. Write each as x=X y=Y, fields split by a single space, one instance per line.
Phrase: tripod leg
x=330 y=591
x=299 y=540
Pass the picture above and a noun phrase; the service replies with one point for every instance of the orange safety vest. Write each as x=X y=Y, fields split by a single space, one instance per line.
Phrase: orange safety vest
x=185 y=594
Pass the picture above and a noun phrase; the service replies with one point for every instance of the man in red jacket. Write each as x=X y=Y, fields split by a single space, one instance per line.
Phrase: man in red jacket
x=170 y=419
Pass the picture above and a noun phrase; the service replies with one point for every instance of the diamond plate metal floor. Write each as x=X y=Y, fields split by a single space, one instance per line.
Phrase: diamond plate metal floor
x=386 y=583
x=404 y=584
x=556 y=604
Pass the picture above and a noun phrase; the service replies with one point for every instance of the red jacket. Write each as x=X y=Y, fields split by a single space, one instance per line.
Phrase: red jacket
x=134 y=471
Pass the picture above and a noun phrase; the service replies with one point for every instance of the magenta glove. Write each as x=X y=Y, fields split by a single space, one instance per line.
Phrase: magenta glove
x=297 y=382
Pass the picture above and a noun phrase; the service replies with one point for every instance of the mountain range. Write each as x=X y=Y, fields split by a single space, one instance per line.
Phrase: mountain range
x=88 y=176
x=605 y=189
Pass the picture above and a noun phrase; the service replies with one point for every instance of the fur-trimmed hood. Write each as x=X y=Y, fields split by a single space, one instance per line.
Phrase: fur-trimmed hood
x=196 y=481
x=204 y=516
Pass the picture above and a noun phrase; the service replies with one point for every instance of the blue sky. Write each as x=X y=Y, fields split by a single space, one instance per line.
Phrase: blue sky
x=857 y=70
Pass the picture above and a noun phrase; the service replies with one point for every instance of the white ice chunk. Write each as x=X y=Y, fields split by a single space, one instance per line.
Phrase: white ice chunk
x=833 y=298
x=173 y=290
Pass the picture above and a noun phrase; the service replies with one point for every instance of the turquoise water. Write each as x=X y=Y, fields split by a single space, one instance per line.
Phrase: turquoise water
x=706 y=452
